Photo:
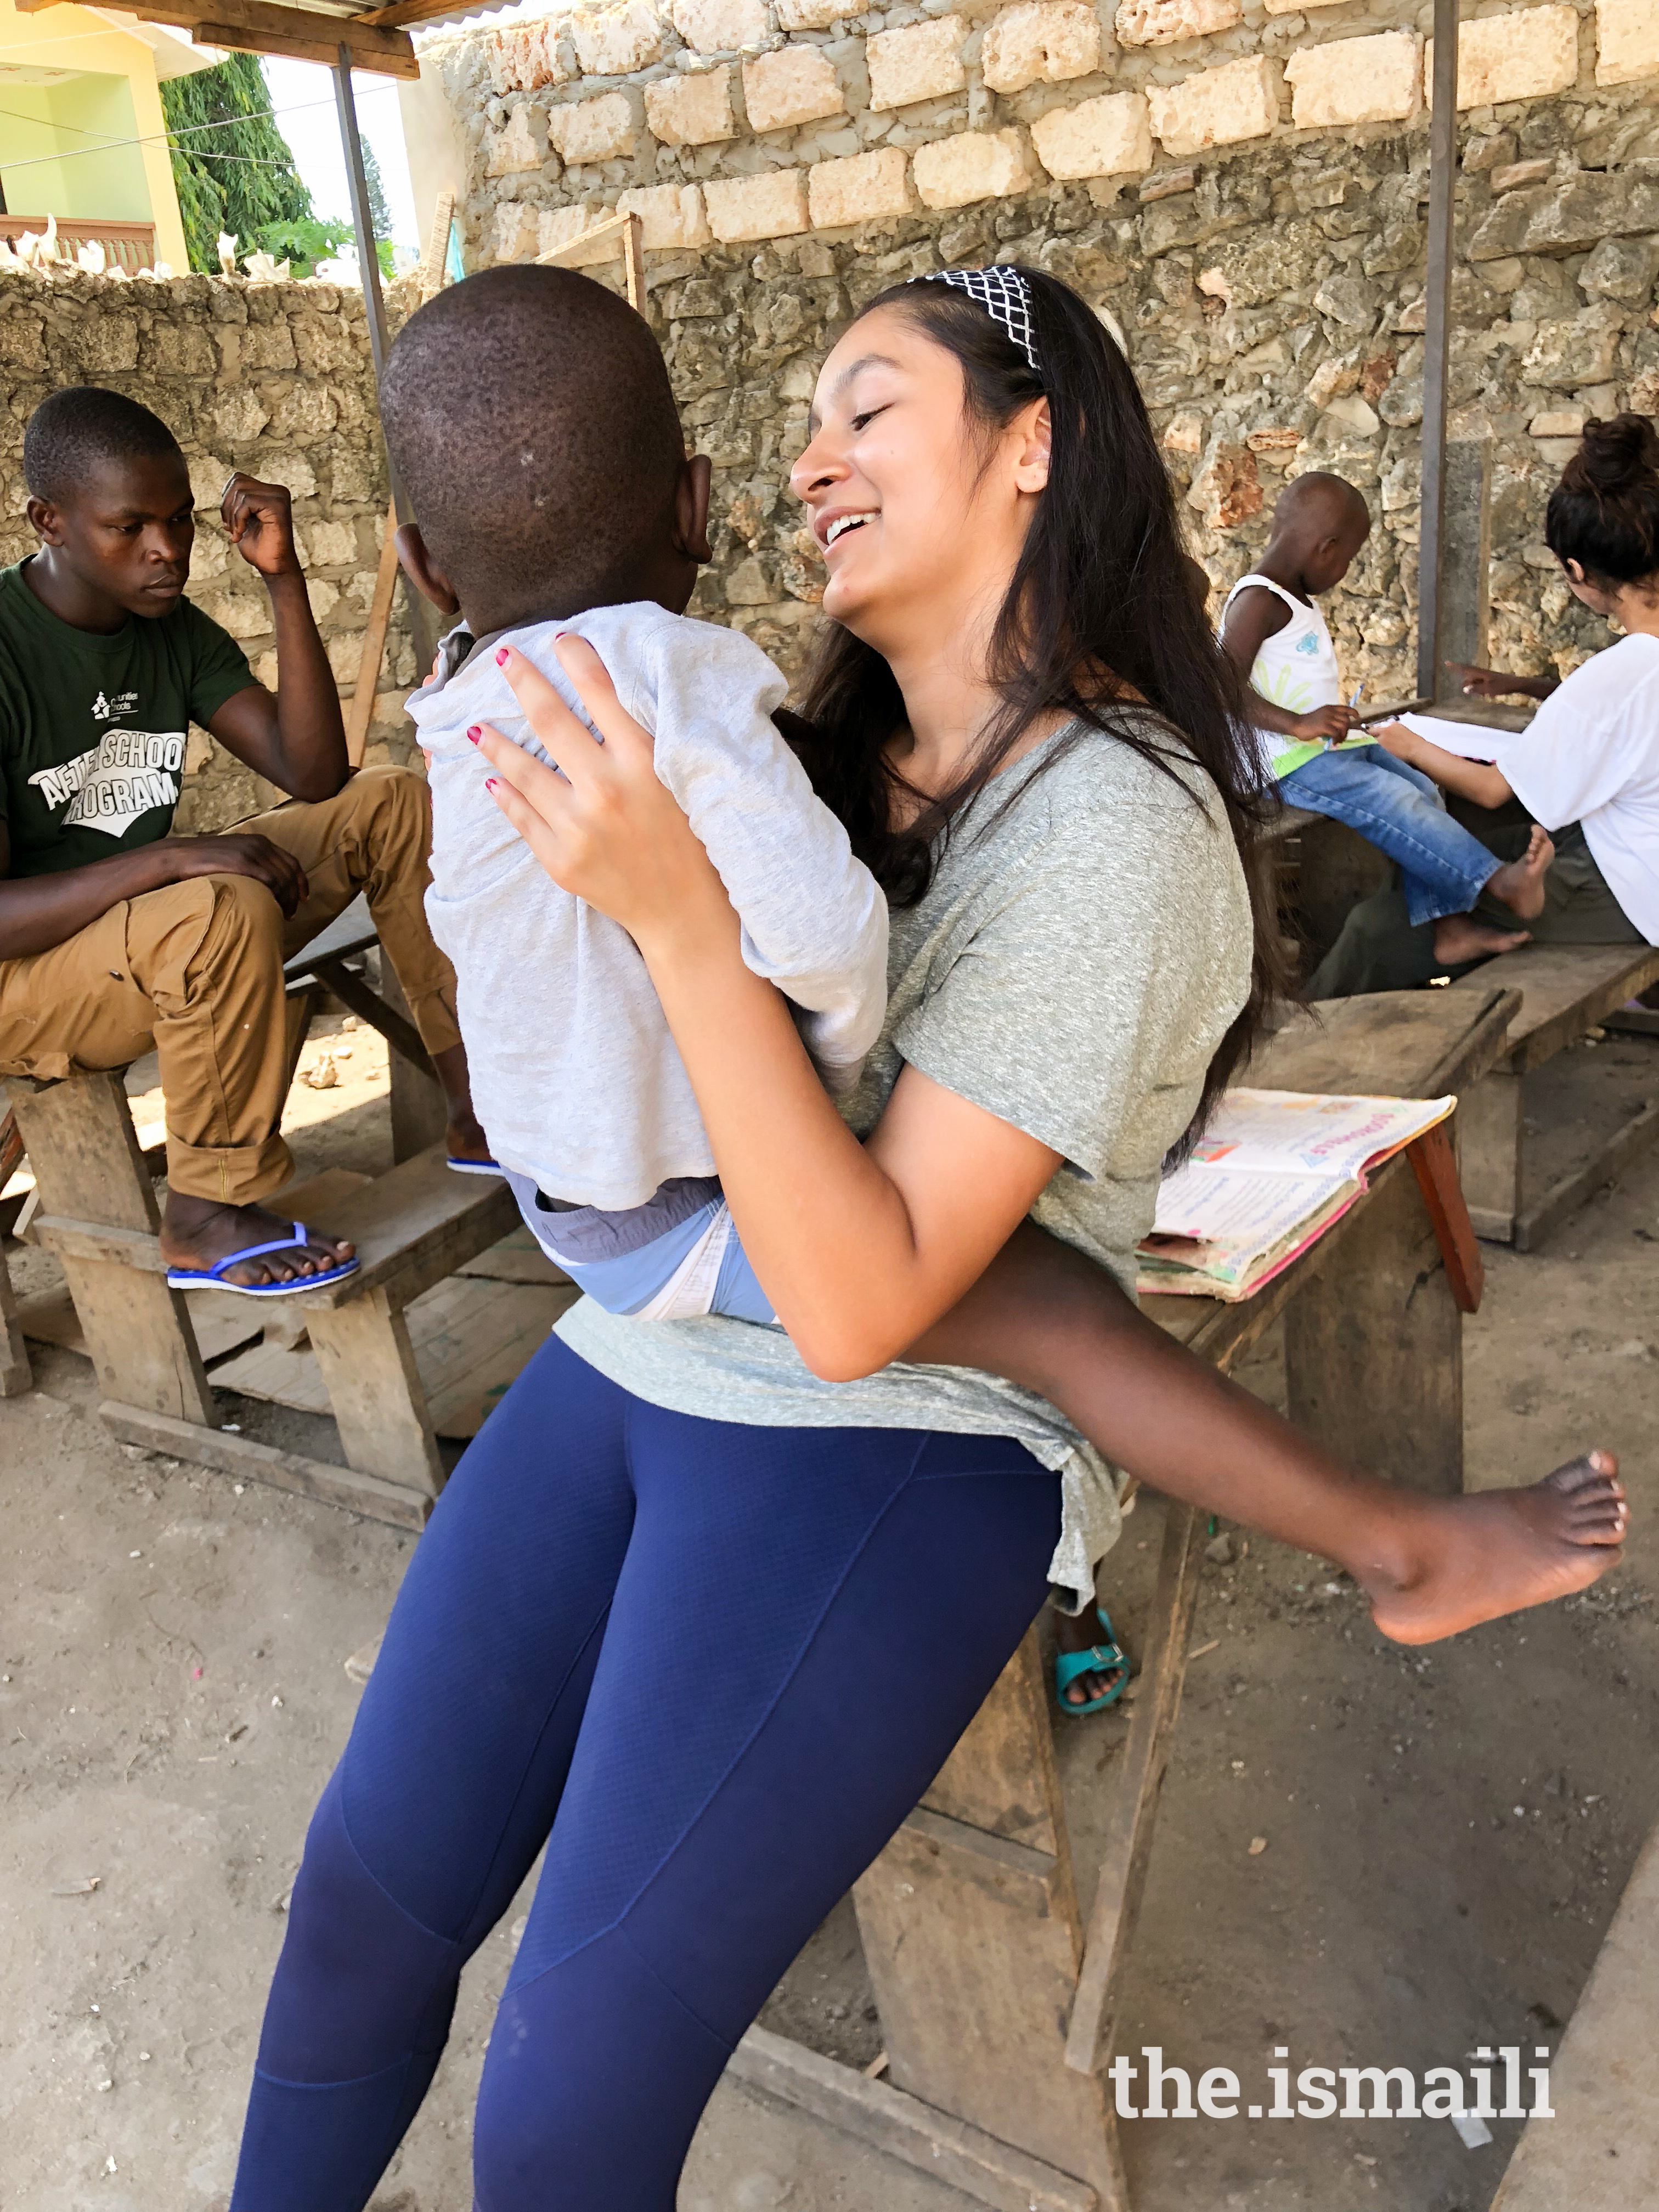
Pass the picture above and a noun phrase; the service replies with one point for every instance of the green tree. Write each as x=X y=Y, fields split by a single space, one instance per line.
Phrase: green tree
x=379 y=214
x=233 y=167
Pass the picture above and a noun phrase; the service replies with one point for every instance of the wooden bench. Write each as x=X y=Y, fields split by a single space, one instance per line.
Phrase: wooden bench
x=1601 y=2152
x=998 y=1997
x=411 y=1227
x=1566 y=991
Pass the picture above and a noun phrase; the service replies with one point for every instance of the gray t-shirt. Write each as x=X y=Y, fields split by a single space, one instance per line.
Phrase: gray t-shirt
x=1073 y=965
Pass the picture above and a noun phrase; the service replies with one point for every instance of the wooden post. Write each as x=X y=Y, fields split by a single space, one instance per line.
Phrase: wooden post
x=1136 y=1790
x=88 y=1170
x=971 y=1933
x=373 y=652
x=374 y=1388
x=1374 y=1346
x=430 y=280
x=1493 y=1147
x=627 y=231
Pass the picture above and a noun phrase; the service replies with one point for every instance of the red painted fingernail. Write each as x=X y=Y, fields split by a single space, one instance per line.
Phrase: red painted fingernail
x=474 y=734
x=501 y=657
x=492 y=784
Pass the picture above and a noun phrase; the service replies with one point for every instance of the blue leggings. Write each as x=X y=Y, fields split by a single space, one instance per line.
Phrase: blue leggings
x=712 y=1667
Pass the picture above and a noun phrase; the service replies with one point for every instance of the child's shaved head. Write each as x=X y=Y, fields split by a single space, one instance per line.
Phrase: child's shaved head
x=1322 y=506
x=528 y=411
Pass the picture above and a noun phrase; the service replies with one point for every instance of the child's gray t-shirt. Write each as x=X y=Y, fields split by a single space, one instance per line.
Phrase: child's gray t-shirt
x=575 y=1074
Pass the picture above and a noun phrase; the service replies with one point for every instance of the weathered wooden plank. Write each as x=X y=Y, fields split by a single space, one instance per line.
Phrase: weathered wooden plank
x=973 y=1945
x=1137 y=1787
x=1566 y=989
x=955 y=2153
x=374 y=630
x=1374 y=1346
x=412 y=1226
x=89 y=1172
x=249 y=1461
x=353 y=992
x=1434 y=1162
x=1002 y=1777
x=1493 y=1146
x=1396 y=1044
x=1601 y=2151
x=374 y=1387
x=1534 y=1222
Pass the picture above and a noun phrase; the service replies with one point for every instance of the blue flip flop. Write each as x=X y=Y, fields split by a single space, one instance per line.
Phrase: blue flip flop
x=213 y=1279
x=1099 y=1659
x=472 y=1167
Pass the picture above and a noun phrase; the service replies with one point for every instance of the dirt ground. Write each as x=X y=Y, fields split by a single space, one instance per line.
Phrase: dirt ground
x=1446 y=1832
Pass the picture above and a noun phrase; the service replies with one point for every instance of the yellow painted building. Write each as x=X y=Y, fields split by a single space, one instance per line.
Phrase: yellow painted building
x=81 y=133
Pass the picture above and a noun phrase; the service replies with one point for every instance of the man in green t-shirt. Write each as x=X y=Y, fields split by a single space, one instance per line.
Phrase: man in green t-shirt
x=114 y=933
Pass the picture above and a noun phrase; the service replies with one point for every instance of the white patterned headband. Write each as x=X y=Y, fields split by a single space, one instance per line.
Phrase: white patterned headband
x=1007 y=299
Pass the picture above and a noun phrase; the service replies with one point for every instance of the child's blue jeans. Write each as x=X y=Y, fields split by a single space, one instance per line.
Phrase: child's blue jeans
x=1443 y=869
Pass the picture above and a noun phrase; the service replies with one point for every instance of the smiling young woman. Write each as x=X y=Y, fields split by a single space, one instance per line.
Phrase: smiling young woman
x=707 y=1604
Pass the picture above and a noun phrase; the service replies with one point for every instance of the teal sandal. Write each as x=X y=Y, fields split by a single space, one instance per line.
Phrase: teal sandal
x=1099 y=1659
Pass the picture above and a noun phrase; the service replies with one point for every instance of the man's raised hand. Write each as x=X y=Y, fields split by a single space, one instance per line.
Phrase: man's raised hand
x=260 y=520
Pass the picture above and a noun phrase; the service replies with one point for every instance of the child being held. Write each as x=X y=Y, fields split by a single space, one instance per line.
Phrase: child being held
x=1279 y=642
x=528 y=411
x=557 y=495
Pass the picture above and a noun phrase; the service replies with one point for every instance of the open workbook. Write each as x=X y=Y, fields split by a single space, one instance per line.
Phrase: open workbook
x=1271 y=1173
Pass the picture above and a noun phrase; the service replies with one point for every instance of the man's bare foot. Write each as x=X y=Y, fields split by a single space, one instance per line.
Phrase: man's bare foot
x=1459 y=937
x=1081 y=1631
x=195 y=1232
x=1519 y=885
x=1479 y=1557
x=465 y=1138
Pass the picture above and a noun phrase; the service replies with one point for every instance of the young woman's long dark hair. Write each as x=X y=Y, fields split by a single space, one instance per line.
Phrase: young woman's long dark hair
x=1604 y=514
x=1100 y=607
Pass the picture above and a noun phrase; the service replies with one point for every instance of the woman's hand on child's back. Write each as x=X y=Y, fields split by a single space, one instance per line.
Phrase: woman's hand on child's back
x=602 y=824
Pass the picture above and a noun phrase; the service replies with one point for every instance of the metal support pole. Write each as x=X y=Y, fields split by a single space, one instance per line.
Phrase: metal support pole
x=421 y=619
x=362 y=221
x=1443 y=183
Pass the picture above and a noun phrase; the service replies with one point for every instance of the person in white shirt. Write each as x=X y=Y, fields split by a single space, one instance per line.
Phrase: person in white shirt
x=1587 y=768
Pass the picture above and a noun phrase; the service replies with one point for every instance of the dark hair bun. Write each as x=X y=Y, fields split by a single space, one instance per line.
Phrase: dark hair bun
x=1604 y=514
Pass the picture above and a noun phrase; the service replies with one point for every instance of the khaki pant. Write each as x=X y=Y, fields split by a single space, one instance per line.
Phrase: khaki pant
x=196 y=969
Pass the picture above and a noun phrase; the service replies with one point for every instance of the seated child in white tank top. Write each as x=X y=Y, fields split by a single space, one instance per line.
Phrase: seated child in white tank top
x=528 y=411
x=1280 y=641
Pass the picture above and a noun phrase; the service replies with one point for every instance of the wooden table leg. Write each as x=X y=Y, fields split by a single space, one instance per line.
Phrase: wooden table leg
x=1374 y=1346
x=88 y=1168
x=1137 y=1787
x=970 y=1931
x=1494 y=1145
x=369 y=1365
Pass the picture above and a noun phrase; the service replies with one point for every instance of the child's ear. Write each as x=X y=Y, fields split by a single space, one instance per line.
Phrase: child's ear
x=691 y=509
x=417 y=564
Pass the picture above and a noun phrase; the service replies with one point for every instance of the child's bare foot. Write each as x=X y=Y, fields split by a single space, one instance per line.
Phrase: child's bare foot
x=1519 y=885
x=1460 y=937
x=1081 y=1631
x=1481 y=1557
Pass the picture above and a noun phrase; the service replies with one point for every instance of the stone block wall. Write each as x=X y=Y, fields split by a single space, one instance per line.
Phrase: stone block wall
x=1237 y=186
x=274 y=378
